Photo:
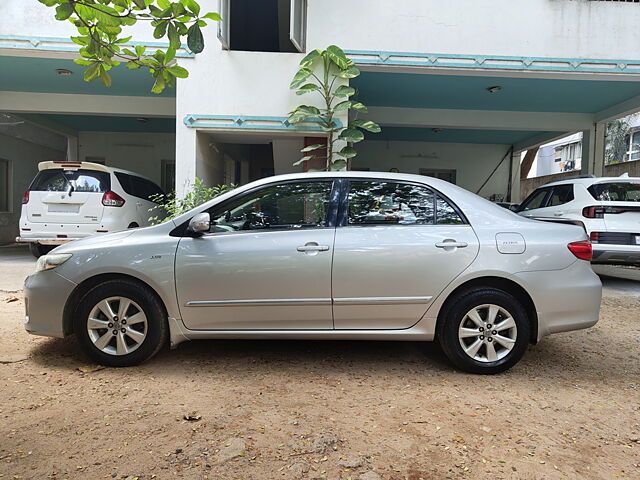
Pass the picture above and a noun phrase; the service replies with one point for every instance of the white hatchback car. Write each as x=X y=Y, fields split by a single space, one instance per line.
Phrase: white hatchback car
x=71 y=200
x=608 y=207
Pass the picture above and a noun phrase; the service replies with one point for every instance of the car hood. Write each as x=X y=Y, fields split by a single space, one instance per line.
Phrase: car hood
x=98 y=239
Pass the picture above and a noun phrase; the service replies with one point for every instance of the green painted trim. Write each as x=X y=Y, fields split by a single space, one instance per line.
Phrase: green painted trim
x=40 y=43
x=246 y=122
x=497 y=62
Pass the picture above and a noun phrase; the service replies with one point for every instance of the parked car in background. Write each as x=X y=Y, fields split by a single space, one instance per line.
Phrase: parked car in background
x=341 y=255
x=71 y=200
x=608 y=207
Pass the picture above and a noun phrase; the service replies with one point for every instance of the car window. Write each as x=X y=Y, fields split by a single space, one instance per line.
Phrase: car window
x=561 y=194
x=283 y=206
x=535 y=200
x=616 y=191
x=446 y=214
x=138 y=186
x=375 y=203
x=82 y=180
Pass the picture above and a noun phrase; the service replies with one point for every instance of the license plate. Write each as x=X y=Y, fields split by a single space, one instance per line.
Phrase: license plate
x=63 y=208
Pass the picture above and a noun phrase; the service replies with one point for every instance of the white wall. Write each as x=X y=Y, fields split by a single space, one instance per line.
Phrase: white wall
x=473 y=163
x=139 y=152
x=23 y=159
x=286 y=152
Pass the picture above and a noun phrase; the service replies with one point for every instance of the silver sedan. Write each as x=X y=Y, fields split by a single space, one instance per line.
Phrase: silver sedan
x=349 y=255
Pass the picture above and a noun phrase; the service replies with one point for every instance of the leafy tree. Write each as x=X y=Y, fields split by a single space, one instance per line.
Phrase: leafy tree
x=617 y=141
x=170 y=207
x=100 y=25
x=332 y=65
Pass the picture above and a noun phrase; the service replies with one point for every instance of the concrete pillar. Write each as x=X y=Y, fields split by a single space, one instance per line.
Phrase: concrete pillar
x=72 y=149
x=515 y=178
x=185 y=159
x=593 y=141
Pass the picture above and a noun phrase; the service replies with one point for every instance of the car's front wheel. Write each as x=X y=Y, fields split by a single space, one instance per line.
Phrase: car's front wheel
x=120 y=323
x=484 y=331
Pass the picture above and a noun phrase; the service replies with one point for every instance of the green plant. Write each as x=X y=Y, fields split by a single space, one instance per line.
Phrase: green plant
x=332 y=66
x=100 y=25
x=617 y=141
x=170 y=206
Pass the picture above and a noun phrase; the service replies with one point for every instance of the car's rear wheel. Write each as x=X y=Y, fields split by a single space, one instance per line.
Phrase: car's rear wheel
x=37 y=250
x=120 y=323
x=484 y=331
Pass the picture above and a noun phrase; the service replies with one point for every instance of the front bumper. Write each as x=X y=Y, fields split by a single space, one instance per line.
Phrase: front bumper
x=45 y=296
x=616 y=254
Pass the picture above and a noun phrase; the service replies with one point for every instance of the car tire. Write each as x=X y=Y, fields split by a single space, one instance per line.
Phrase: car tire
x=37 y=250
x=135 y=332
x=471 y=345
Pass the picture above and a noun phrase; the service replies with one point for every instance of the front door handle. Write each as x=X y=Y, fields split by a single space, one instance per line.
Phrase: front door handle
x=312 y=247
x=450 y=243
x=558 y=214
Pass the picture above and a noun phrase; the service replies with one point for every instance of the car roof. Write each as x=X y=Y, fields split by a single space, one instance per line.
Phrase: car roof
x=86 y=166
x=588 y=181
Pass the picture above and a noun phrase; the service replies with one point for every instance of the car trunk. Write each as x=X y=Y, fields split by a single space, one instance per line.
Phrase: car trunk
x=619 y=204
x=64 y=196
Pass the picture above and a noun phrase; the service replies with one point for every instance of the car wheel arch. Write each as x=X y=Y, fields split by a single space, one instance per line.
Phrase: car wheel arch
x=86 y=285
x=499 y=283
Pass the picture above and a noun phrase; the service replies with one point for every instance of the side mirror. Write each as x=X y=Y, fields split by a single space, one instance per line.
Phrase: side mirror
x=199 y=223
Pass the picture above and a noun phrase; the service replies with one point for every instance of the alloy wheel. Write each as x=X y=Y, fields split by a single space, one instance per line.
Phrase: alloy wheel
x=117 y=326
x=487 y=333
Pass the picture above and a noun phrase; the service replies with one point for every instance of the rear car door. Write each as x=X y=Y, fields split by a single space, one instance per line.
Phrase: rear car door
x=67 y=196
x=265 y=263
x=397 y=247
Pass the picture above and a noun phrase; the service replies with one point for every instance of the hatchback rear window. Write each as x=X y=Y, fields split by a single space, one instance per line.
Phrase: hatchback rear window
x=616 y=192
x=82 y=180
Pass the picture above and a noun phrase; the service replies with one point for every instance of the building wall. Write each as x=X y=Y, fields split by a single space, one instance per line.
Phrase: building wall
x=139 y=152
x=23 y=159
x=473 y=163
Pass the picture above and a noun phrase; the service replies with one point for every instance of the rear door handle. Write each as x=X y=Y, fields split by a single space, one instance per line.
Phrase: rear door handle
x=451 y=244
x=558 y=214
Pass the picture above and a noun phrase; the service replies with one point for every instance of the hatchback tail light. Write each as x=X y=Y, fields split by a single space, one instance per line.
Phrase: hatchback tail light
x=598 y=212
x=25 y=198
x=595 y=237
x=582 y=250
x=112 y=199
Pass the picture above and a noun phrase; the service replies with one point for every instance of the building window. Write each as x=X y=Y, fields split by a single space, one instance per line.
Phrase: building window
x=634 y=146
x=5 y=185
x=168 y=176
x=263 y=25
x=442 y=174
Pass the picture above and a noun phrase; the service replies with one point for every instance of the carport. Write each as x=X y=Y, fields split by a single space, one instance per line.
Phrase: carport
x=468 y=118
x=48 y=112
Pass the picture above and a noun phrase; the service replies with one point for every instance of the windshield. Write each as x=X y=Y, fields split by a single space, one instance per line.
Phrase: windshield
x=59 y=180
x=616 y=192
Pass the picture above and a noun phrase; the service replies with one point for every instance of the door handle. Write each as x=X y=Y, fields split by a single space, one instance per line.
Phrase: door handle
x=558 y=214
x=313 y=248
x=451 y=244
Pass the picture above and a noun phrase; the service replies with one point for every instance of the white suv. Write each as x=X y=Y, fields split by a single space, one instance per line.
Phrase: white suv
x=608 y=207
x=71 y=200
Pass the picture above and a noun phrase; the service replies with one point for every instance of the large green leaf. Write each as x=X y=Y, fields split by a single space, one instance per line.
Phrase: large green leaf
x=351 y=135
x=359 y=107
x=308 y=109
x=304 y=159
x=351 y=72
x=338 y=57
x=300 y=77
x=92 y=72
x=311 y=57
x=342 y=106
x=309 y=87
x=213 y=16
x=178 y=71
x=367 y=125
x=347 y=152
x=105 y=77
x=344 y=91
x=315 y=146
x=195 y=40
x=63 y=11
x=338 y=165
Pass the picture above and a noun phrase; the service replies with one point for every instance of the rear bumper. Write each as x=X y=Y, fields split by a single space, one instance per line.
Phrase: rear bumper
x=46 y=241
x=566 y=299
x=616 y=254
x=45 y=295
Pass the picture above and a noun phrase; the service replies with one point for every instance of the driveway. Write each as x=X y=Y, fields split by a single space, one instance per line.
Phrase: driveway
x=335 y=410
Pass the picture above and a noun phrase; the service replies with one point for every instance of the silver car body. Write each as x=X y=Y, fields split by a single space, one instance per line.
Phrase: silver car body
x=384 y=282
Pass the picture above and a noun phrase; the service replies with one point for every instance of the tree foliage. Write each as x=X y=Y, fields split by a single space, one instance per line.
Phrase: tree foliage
x=103 y=45
x=617 y=141
x=170 y=207
x=332 y=66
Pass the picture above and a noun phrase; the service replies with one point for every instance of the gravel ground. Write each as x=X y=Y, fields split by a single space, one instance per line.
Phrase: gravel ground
x=337 y=410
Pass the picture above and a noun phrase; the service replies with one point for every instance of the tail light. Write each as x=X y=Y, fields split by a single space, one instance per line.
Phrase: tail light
x=598 y=212
x=112 y=199
x=25 y=198
x=581 y=250
x=595 y=237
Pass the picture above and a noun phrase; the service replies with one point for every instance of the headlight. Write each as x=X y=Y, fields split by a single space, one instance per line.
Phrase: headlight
x=46 y=262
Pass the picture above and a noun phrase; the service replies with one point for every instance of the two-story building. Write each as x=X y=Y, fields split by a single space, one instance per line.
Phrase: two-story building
x=460 y=89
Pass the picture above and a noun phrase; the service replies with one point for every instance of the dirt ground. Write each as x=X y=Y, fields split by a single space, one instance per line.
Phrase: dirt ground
x=336 y=410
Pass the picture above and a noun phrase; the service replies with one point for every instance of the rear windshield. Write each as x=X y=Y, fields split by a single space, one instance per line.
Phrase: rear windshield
x=59 y=180
x=616 y=192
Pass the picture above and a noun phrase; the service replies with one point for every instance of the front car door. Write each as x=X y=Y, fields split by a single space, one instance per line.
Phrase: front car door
x=400 y=245
x=265 y=263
